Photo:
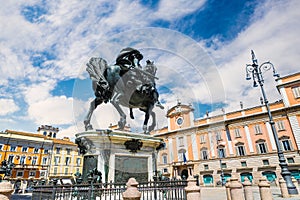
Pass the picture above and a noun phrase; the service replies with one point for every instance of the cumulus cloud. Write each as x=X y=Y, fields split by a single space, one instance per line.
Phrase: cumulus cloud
x=8 y=106
x=53 y=110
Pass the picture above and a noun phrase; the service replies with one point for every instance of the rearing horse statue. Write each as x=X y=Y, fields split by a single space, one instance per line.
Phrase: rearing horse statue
x=124 y=83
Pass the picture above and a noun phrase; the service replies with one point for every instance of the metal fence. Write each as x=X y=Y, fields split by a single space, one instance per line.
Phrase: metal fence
x=160 y=190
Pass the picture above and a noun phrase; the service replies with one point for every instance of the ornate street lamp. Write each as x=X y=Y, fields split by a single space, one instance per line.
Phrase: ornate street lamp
x=256 y=72
x=223 y=182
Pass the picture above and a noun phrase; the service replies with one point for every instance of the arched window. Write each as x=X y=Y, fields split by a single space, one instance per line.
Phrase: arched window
x=286 y=143
x=182 y=155
x=240 y=149
x=164 y=158
x=221 y=151
x=204 y=154
x=261 y=146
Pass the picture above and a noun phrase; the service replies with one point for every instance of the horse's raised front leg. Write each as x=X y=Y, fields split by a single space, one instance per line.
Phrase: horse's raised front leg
x=151 y=128
x=147 y=115
x=122 y=121
x=131 y=113
x=93 y=106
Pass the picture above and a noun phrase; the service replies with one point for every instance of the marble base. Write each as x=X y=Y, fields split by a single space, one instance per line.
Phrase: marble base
x=120 y=155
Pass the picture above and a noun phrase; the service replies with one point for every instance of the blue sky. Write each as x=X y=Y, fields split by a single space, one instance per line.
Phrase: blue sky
x=200 y=48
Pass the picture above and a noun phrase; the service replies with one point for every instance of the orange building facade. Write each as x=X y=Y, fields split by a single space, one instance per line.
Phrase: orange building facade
x=239 y=143
x=35 y=155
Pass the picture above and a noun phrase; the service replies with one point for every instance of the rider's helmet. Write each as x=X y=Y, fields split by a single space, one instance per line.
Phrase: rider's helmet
x=128 y=54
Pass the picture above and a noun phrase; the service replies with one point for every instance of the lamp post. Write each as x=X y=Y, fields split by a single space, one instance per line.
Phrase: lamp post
x=256 y=71
x=220 y=160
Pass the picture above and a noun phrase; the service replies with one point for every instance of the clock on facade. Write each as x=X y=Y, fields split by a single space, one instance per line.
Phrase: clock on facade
x=179 y=121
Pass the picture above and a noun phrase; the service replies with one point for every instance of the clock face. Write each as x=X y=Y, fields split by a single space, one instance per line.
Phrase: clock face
x=179 y=121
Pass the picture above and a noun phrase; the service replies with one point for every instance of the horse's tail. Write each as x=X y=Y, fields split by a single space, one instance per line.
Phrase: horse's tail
x=96 y=68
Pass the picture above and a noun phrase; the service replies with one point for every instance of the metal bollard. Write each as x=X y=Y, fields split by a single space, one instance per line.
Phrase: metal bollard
x=264 y=189
x=236 y=189
x=248 y=189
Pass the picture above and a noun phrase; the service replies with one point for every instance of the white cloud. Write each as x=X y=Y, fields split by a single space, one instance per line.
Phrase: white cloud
x=8 y=106
x=171 y=10
x=53 y=110
x=274 y=36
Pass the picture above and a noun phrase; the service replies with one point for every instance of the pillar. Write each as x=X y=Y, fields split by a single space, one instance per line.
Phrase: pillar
x=131 y=192
x=283 y=188
x=5 y=190
x=192 y=190
x=248 y=189
x=264 y=189
x=236 y=189
x=228 y=189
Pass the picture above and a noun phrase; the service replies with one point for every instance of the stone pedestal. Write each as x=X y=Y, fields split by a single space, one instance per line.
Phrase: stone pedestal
x=192 y=190
x=119 y=155
x=131 y=192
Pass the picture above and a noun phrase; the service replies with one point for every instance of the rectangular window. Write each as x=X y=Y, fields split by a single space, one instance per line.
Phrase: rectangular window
x=66 y=171
x=78 y=161
x=58 y=150
x=218 y=135
x=223 y=165
x=204 y=155
x=46 y=151
x=34 y=159
x=22 y=160
x=10 y=158
x=44 y=162
x=280 y=125
x=202 y=139
x=1 y=147
x=165 y=170
x=32 y=173
x=56 y=160
x=287 y=145
x=13 y=148
x=68 y=151
x=240 y=150
x=266 y=162
x=237 y=133
x=68 y=160
x=165 y=159
x=36 y=150
x=296 y=91
x=257 y=129
x=181 y=144
x=244 y=164
x=262 y=148
x=206 y=167
x=20 y=173
x=24 y=149
x=290 y=160
x=55 y=171
x=221 y=152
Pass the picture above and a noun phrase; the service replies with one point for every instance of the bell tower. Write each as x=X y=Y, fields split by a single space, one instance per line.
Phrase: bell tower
x=180 y=116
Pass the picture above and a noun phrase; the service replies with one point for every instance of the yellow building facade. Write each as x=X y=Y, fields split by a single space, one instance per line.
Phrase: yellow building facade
x=238 y=143
x=34 y=154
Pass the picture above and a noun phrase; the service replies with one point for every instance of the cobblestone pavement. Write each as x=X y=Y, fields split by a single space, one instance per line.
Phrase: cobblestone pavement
x=207 y=193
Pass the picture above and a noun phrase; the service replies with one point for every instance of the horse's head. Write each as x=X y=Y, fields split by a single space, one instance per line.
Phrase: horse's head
x=150 y=67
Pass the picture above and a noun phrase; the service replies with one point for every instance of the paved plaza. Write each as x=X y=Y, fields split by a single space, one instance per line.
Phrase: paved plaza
x=219 y=193
x=207 y=193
